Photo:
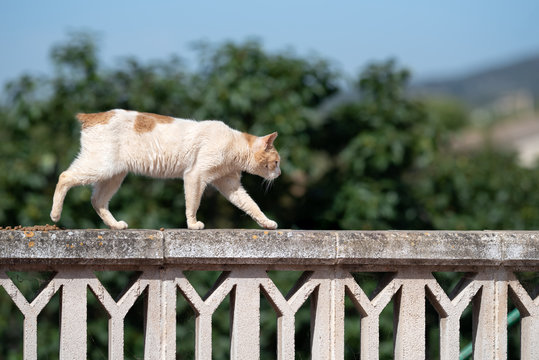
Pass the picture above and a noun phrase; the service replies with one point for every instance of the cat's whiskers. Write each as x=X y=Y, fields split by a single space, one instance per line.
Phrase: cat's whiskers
x=267 y=184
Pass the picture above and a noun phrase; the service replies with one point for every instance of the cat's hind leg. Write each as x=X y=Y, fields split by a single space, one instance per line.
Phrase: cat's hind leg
x=194 y=188
x=103 y=192
x=66 y=181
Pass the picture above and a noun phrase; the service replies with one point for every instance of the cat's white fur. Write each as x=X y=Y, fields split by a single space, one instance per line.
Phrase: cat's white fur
x=202 y=153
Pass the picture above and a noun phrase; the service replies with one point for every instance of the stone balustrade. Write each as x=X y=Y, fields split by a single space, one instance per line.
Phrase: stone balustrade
x=328 y=260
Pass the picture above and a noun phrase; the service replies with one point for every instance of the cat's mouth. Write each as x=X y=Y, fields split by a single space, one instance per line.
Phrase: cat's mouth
x=274 y=174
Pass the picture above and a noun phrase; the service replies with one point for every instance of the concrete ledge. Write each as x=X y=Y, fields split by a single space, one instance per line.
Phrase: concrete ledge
x=439 y=248
x=151 y=247
x=250 y=247
x=82 y=247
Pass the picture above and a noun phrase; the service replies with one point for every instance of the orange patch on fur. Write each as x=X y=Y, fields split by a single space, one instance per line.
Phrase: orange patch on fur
x=260 y=156
x=250 y=138
x=145 y=122
x=161 y=119
x=88 y=120
x=267 y=156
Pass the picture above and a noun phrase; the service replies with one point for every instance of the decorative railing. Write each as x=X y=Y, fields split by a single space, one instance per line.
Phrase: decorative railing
x=328 y=261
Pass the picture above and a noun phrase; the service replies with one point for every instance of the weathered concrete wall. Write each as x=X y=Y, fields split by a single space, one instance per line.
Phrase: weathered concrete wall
x=152 y=247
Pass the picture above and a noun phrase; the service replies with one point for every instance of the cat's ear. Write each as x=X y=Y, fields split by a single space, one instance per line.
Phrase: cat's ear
x=268 y=140
x=265 y=143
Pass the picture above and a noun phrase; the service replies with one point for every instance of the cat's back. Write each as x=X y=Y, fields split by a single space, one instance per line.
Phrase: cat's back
x=121 y=121
x=149 y=143
x=126 y=127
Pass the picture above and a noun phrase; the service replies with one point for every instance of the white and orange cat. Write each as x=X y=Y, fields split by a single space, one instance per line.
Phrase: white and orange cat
x=116 y=142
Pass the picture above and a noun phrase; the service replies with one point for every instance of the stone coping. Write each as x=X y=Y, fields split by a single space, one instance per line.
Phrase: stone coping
x=277 y=247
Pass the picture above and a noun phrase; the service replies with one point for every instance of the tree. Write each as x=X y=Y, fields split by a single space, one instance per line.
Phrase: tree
x=370 y=145
x=240 y=84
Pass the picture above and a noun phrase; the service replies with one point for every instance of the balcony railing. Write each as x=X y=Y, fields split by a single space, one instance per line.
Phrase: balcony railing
x=327 y=260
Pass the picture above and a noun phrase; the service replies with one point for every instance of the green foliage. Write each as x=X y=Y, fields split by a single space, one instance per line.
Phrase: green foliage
x=241 y=84
x=381 y=161
x=377 y=162
x=373 y=143
x=485 y=191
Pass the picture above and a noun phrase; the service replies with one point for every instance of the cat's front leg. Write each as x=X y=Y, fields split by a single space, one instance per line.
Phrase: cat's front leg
x=230 y=187
x=194 y=187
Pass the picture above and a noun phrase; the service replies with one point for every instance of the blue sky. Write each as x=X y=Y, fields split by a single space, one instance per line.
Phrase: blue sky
x=433 y=38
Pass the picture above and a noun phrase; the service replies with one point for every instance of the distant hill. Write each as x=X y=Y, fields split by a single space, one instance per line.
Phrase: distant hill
x=510 y=93
x=485 y=88
x=503 y=90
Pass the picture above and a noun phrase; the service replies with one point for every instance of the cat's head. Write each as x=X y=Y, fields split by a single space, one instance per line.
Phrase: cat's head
x=266 y=158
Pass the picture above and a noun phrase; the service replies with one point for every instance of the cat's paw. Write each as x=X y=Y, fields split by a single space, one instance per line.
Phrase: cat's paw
x=120 y=225
x=199 y=225
x=268 y=224
x=55 y=215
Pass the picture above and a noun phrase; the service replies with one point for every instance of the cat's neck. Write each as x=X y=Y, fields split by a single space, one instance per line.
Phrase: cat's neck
x=244 y=153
